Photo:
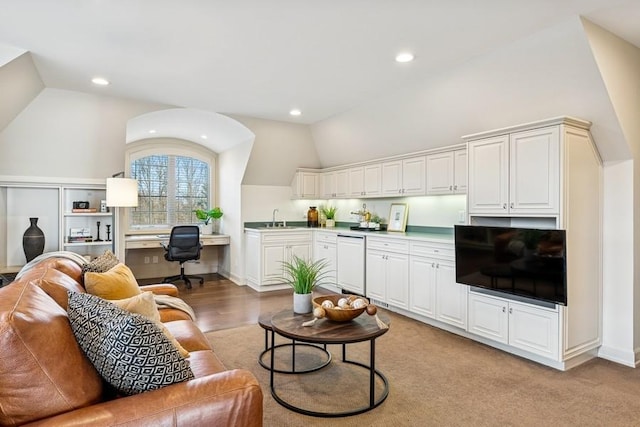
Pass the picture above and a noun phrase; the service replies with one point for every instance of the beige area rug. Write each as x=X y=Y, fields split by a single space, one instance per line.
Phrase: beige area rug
x=438 y=379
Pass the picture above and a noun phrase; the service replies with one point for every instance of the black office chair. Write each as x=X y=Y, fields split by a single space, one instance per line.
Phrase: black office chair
x=184 y=245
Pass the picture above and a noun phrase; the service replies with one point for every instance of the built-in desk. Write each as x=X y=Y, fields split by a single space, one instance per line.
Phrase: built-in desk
x=153 y=241
x=144 y=254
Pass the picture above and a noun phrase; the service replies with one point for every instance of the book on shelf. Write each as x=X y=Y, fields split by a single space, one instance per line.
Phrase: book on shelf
x=79 y=239
x=87 y=210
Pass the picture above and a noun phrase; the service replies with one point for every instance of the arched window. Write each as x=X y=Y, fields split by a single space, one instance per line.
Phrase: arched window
x=175 y=177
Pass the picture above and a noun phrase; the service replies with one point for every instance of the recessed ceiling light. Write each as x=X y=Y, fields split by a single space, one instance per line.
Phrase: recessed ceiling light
x=152 y=131
x=203 y=136
x=295 y=112
x=404 y=57
x=100 y=81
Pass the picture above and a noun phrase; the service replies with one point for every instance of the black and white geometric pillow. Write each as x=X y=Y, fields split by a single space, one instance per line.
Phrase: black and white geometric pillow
x=128 y=350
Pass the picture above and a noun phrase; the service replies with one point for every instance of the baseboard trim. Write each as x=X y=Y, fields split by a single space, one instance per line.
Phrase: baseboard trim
x=623 y=357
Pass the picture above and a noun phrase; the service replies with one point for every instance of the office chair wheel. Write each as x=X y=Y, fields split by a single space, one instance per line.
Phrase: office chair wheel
x=187 y=283
x=201 y=282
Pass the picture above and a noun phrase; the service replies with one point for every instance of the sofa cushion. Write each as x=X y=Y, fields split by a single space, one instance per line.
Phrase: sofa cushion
x=128 y=350
x=43 y=371
x=117 y=283
x=102 y=263
x=145 y=305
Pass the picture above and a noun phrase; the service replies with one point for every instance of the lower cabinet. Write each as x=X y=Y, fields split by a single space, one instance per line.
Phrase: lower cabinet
x=523 y=326
x=451 y=297
x=266 y=251
x=387 y=272
x=325 y=249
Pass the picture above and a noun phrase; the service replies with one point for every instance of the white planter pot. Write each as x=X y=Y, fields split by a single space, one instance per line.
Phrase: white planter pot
x=302 y=303
x=206 y=228
x=330 y=223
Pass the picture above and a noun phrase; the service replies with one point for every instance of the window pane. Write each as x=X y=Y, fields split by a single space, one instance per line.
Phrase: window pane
x=170 y=189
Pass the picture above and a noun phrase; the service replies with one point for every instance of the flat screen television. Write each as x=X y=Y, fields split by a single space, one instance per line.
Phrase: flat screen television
x=527 y=262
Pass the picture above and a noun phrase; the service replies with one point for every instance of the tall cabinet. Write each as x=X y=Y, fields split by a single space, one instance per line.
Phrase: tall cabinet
x=546 y=174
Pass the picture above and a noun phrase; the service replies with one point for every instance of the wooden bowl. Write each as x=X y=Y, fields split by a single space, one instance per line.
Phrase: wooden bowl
x=339 y=315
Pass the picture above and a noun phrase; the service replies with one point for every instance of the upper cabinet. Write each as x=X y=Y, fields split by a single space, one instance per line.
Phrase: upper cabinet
x=365 y=181
x=515 y=173
x=404 y=177
x=305 y=185
x=447 y=172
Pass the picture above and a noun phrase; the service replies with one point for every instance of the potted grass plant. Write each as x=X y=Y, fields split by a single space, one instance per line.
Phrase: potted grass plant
x=303 y=276
x=330 y=213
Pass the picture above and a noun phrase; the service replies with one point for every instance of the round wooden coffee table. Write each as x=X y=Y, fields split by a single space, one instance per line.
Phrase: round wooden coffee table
x=363 y=328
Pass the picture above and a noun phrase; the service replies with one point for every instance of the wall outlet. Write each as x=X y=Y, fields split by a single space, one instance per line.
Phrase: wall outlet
x=155 y=259
x=146 y=260
x=461 y=217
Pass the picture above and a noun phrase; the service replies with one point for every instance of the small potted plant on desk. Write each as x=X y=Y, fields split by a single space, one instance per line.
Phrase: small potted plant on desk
x=211 y=218
x=303 y=276
x=330 y=213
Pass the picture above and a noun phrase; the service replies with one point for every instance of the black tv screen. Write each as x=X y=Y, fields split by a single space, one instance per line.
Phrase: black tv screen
x=526 y=262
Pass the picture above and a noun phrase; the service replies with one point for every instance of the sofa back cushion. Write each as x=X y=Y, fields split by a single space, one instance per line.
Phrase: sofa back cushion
x=43 y=371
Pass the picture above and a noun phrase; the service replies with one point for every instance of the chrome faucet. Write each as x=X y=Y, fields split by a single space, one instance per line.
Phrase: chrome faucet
x=273 y=223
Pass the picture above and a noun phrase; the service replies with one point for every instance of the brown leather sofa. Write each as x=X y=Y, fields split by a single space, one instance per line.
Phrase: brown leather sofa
x=46 y=380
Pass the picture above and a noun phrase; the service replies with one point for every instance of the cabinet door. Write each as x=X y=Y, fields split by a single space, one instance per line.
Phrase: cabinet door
x=534 y=185
x=488 y=190
x=414 y=178
x=397 y=280
x=422 y=286
x=376 y=274
x=373 y=180
x=327 y=252
x=272 y=258
x=252 y=261
x=440 y=172
x=451 y=297
x=301 y=250
x=328 y=185
x=356 y=182
x=459 y=171
x=488 y=317
x=534 y=329
x=392 y=178
x=342 y=183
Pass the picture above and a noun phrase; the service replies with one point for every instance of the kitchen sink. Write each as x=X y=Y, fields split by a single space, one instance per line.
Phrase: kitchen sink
x=280 y=227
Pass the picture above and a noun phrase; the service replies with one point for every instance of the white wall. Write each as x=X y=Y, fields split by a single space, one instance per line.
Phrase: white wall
x=19 y=84
x=549 y=74
x=63 y=133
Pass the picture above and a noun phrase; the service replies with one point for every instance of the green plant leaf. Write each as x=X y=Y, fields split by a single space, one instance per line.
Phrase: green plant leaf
x=303 y=275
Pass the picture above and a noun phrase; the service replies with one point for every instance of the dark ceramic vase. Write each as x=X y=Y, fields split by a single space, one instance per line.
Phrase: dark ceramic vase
x=33 y=240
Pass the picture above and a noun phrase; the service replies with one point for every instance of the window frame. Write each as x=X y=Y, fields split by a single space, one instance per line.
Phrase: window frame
x=172 y=147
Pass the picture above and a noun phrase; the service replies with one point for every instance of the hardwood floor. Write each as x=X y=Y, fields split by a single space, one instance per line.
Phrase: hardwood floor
x=221 y=304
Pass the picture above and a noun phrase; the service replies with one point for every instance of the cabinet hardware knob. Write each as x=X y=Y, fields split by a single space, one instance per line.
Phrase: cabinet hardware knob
x=504 y=309
x=450 y=187
x=510 y=310
x=511 y=205
x=436 y=250
x=455 y=187
x=433 y=265
x=437 y=265
x=504 y=206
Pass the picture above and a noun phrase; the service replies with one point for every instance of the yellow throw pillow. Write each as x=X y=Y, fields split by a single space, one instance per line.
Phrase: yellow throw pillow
x=117 y=283
x=145 y=305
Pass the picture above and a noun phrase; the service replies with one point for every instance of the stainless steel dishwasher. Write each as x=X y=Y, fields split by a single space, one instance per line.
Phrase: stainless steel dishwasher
x=350 y=263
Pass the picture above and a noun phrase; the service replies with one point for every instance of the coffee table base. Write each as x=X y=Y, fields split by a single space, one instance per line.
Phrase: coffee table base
x=373 y=373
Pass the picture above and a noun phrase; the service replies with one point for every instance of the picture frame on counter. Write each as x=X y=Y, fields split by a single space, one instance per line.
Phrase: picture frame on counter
x=398 y=217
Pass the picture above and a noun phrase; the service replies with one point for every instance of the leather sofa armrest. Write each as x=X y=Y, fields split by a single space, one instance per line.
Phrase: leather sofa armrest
x=229 y=398
x=161 y=289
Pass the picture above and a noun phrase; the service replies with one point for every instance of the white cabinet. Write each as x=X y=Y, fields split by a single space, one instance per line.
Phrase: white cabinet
x=524 y=326
x=404 y=177
x=328 y=185
x=84 y=231
x=365 y=181
x=451 y=297
x=425 y=272
x=335 y=184
x=325 y=249
x=447 y=172
x=387 y=269
x=305 y=185
x=267 y=250
x=516 y=173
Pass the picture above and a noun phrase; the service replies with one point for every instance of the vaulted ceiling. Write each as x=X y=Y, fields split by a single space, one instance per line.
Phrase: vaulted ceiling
x=262 y=58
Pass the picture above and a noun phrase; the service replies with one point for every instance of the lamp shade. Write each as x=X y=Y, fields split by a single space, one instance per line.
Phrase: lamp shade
x=122 y=192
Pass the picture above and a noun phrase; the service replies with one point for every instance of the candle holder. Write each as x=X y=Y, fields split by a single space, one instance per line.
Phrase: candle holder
x=108 y=232
x=98 y=239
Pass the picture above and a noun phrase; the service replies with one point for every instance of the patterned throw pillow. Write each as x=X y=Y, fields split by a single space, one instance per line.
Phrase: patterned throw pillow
x=102 y=263
x=128 y=350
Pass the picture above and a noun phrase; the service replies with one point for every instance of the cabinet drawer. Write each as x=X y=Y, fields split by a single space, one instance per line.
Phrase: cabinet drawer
x=326 y=237
x=431 y=249
x=142 y=245
x=285 y=236
x=388 y=245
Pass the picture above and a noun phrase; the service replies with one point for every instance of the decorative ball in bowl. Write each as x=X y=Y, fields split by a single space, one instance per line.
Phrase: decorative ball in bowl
x=341 y=308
